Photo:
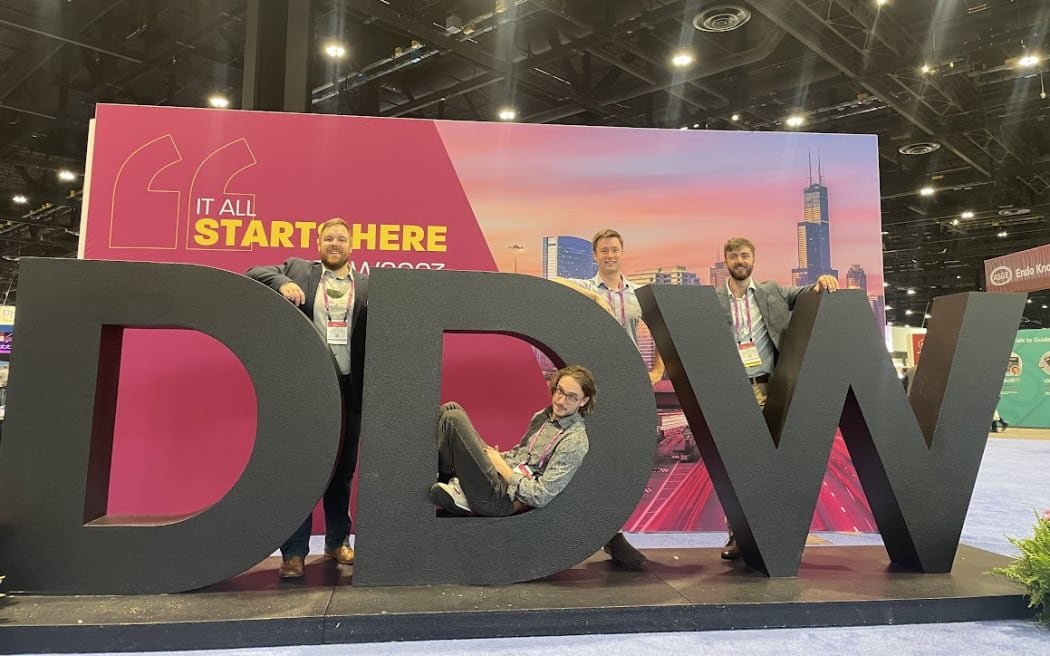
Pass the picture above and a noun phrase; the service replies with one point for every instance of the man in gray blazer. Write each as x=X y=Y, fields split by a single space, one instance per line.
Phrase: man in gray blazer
x=335 y=298
x=758 y=315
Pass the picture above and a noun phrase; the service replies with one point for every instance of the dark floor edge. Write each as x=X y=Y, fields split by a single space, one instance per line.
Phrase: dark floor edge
x=284 y=632
x=236 y=634
x=662 y=619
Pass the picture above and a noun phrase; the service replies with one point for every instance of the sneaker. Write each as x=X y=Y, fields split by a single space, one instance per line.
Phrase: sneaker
x=450 y=497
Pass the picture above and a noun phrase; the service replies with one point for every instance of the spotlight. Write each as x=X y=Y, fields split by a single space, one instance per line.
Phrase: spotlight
x=881 y=3
x=926 y=70
x=65 y=175
x=955 y=221
x=926 y=316
x=735 y=117
x=794 y=121
x=926 y=191
x=219 y=102
x=20 y=199
x=911 y=292
x=1001 y=234
x=1028 y=61
x=908 y=312
x=335 y=50
x=967 y=214
x=885 y=284
x=681 y=59
x=507 y=114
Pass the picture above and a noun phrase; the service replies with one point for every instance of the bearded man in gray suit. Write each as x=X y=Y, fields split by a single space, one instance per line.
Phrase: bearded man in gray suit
x=758 y=315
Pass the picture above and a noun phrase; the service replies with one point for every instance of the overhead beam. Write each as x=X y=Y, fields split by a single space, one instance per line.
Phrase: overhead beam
x=78 y=16
x=801 y=24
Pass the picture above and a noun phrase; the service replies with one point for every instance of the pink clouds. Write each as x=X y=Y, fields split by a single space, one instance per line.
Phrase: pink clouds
x=676 y=195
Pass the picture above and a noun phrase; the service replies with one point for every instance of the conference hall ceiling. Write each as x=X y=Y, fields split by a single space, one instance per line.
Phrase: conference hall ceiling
x=954 y=89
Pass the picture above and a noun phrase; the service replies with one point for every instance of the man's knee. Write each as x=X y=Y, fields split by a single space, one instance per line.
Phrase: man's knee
x=453 y=419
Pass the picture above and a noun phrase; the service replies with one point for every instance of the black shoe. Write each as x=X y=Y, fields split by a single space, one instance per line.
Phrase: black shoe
x=623 y=554
x=731 y=551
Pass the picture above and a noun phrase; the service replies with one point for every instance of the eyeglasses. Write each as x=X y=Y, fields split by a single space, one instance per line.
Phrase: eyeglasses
x=568 y=396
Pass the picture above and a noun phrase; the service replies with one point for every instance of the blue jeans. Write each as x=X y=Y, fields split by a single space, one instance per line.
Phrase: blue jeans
x=336 y=496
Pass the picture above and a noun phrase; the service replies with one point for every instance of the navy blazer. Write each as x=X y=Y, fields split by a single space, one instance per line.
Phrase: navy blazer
x=307 y=275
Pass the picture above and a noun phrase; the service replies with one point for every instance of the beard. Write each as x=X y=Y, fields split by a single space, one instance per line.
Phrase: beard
x=339 y=260
x=737 y=274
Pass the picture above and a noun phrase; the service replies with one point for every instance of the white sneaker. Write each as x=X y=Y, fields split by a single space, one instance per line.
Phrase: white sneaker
x=450 y=497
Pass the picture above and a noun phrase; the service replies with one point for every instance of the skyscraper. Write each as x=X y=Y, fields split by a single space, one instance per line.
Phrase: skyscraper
x=719 y=274
x=856 y=278
x=676 y=275
x=568 y=257
x=814 y=232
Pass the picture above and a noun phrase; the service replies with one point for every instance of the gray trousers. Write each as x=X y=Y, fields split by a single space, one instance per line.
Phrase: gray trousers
x=461 y=453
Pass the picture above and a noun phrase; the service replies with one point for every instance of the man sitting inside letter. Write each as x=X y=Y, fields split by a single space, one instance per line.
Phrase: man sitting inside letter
x=475 y=477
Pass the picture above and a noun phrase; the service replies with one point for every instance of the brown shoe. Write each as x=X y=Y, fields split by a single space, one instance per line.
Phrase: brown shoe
x=344 y=555
x=292 y=568
x=731 y=551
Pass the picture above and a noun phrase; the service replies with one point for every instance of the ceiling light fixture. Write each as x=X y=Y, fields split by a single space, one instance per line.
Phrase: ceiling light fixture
x=926 y=70
x=219 y=102
x=908 y=312
x=1002 y=233
x=1028 y=61
x=795 y=121
x=507 y=114
x=967 y=214
x=20 y=199
x=911 y=292
x=65 y=175
x=681 y=59
x=926 y=191
x=735 y=117
x=335 y=50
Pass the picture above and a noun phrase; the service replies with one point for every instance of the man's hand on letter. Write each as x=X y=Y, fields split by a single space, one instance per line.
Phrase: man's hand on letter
x=293 y=293
x=826 y=282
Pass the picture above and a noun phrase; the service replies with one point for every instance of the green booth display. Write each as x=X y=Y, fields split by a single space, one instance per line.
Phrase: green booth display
x=1025 y=399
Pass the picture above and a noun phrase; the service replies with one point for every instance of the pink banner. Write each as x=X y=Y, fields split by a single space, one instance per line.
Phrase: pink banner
x=235 y=189
x=1026 y=271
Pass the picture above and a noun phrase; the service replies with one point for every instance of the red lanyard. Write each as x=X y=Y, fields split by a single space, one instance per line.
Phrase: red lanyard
x=623 y=308
x=737 y=322
x=349 y=299
x=550 y=445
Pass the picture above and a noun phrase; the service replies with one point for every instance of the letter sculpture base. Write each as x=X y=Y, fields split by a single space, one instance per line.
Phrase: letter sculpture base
x=681 y=590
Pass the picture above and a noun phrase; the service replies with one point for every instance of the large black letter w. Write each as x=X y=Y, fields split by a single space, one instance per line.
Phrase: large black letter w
x=918 y=463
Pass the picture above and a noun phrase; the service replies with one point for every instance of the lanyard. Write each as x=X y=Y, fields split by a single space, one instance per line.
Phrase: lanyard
x=349 y=299
x=737 y=320
x=623 y=307
x=547 y=449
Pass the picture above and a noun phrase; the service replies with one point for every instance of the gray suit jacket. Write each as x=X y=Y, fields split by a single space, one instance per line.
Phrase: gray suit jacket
x=775 y=302
x=307 y=275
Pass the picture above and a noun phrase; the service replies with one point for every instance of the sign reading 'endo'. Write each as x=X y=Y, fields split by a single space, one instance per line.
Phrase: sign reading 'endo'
x=917 y=460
